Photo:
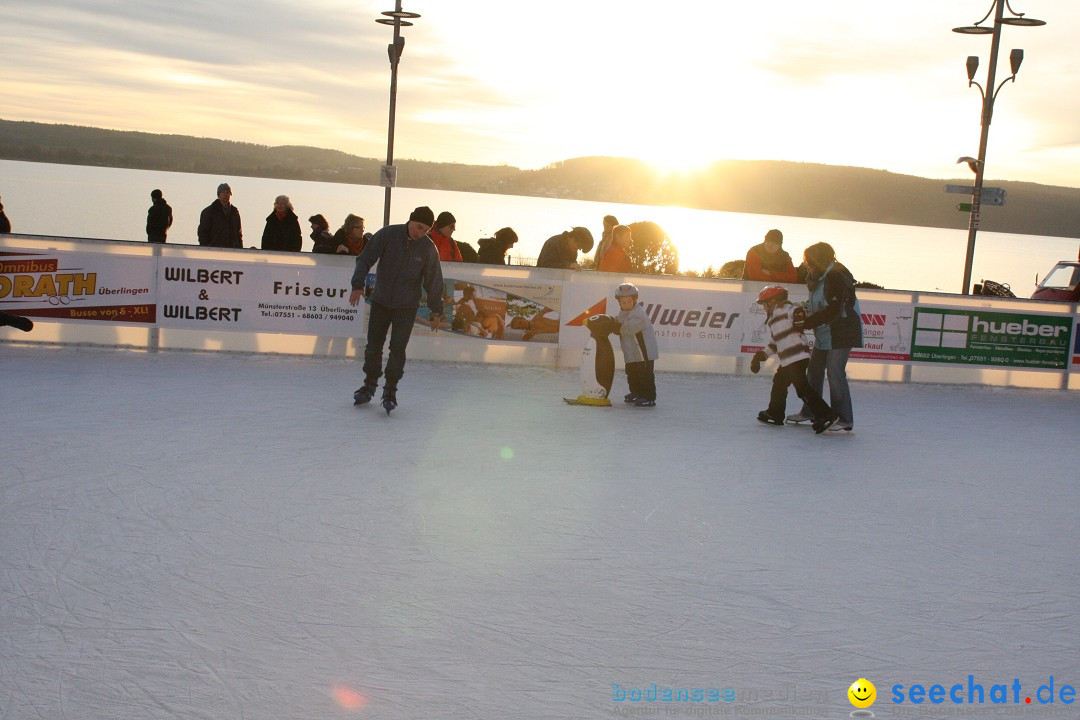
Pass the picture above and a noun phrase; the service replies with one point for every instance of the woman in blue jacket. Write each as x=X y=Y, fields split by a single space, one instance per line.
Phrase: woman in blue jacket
x=833 y=315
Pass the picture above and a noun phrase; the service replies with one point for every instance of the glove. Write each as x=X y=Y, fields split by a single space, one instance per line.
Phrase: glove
x=798 y=317
x=755 y=362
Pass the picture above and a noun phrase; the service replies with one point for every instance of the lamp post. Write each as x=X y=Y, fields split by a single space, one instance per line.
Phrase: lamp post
x=989 y=95
x=398 y=18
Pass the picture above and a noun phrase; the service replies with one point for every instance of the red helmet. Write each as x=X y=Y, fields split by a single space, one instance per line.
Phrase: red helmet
x=772 y=292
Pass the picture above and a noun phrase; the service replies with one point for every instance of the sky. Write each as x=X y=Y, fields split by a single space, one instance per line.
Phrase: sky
x=847 y=82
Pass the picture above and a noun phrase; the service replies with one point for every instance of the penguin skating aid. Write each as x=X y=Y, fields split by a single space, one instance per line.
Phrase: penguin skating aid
x=597 y=369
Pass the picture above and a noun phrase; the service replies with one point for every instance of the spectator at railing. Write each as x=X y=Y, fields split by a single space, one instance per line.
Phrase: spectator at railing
x=560 y=251
x=493 y=250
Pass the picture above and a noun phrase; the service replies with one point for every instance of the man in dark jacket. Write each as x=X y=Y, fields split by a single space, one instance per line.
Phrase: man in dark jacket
x=408 y=261
x=158 y=218
x=282 y=231
x=219 y=224
x=560 y=251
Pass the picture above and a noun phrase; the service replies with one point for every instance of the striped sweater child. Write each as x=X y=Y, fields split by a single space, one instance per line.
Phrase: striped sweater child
x=785 y=322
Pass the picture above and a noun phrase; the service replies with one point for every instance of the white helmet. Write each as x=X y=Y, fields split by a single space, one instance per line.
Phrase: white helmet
x=626 y=290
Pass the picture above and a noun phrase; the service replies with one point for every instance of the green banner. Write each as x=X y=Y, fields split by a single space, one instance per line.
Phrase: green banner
x=996 y=339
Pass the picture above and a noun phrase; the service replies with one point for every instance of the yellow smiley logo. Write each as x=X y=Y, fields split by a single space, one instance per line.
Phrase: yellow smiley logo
x=862 y=693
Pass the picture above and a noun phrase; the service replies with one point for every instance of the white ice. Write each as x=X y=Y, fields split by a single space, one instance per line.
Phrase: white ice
x=188 y=535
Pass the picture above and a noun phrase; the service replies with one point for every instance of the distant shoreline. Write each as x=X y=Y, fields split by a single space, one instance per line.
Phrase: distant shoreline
x=759 y=187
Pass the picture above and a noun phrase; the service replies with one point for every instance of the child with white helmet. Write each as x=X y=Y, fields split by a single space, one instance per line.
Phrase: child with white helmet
x=785 y=322
x=639 y=348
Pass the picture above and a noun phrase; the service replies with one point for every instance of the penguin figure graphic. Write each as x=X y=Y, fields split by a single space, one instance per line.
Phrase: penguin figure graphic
x=597 y=363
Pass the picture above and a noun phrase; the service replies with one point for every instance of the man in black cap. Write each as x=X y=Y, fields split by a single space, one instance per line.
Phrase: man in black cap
x=408 y=261
x=158 y=218
x=219 y=224
x=560 y=251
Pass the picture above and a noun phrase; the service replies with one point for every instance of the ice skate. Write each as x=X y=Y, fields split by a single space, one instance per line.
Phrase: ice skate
x=363 y=395
x=389 y=399
x=765 y=417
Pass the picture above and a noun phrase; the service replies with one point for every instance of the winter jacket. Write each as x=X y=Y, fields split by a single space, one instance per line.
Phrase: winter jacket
x=636 y=335
x=492 y=251
x=616 y=260
x=448 y=249
x=282 y=233
x=405 y=266
x=159 y=219
x=557 y=254
x=324 y=242
x=219 y=226
x=788 y=344
x=834 y=309
x=776 y=268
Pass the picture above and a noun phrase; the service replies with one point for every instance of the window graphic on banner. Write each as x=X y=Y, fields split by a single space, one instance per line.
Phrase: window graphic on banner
x=512 y=311
x=980 y=337
x=77 y=286
x=256 y=297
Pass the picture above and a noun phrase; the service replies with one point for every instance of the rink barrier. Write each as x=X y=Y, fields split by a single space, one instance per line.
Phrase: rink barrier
x=148 y=297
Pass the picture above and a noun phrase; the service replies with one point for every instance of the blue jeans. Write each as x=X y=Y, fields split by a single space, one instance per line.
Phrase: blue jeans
x=400 y=324
x=833 y=363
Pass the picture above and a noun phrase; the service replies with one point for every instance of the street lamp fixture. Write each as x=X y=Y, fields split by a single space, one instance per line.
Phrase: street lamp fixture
x=398 y=18
x=989 y=95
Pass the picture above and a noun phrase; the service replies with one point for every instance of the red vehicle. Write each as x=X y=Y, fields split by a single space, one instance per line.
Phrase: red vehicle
x=1062 y=284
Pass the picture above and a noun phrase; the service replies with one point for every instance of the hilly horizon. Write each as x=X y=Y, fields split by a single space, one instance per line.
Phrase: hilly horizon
x=768 y=187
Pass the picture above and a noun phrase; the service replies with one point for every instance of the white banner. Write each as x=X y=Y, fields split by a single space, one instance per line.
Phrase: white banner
x=686 y=322
x=256 y=297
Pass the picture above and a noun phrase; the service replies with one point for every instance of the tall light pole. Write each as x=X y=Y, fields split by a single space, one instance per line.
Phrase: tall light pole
x=399 y=19
x=989 y=94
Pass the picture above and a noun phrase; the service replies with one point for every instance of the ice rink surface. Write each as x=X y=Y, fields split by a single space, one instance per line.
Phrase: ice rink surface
x=194 y=535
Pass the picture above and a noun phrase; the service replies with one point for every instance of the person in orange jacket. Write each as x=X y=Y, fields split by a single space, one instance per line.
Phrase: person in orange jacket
x=768 y=261
x=442 y=234
x=617 y=259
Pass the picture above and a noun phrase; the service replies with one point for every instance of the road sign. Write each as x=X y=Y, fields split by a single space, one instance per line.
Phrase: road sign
x=388 y=176
x=963 y=207
x=992 y=200
x=987 y=192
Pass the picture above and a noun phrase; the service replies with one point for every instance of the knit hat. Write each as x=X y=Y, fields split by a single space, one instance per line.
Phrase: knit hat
x=444 y=219
x=423 y=215
x=222 y=187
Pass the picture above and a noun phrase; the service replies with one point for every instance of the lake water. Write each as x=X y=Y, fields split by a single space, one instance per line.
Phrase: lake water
x=97 y=202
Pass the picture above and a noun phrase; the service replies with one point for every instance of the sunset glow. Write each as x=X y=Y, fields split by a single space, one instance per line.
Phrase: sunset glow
x=856 y=83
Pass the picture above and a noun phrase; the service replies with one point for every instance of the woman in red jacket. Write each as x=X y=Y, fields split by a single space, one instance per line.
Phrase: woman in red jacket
x=442 y=235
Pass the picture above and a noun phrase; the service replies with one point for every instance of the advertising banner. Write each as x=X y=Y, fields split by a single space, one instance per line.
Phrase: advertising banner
x=256 y=297
x=88 y=287
x=504 y=310
x=886 y=331
x=686 y=322
x=996 y=339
